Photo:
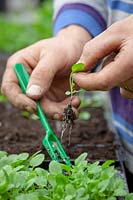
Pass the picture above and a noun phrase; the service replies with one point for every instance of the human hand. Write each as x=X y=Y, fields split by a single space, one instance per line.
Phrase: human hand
x=116 y=43
x=48 y=62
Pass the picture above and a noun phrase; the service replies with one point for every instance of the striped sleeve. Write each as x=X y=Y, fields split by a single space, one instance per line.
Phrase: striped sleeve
x=89 y=14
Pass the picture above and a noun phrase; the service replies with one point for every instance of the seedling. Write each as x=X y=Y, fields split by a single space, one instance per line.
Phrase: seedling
x=69 y=115
x=22 y=178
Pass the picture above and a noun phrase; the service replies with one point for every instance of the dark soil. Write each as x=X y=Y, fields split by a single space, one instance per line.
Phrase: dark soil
x=19 y=134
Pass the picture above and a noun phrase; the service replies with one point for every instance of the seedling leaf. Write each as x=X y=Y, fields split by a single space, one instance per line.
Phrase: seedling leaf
x=55 y=167
x=78 y=67
x=37 y=160
x=84 y=115
x=81 y=159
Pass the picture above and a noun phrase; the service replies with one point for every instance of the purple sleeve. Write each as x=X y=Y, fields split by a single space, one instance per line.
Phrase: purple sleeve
x=81 y=14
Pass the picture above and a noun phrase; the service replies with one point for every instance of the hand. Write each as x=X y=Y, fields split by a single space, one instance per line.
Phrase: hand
x=48 y=62
x=116 y=43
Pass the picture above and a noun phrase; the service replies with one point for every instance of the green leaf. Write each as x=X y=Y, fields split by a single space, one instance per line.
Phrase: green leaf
x=3 y=154
x=129 y=196
x=78 y=67
x=23 y=156
x=107 y=163
x=61 y=179
x=55 y=167
x=25 y=114
x=80 y=192
x=41 y=172
x=69 y=197
x=103 y=185
x=65 y=167
x=69 y=189
x=19 y=159
x=27 y=196
x=36 y=160
x=121 y=192
x=3 y=182
x=3 y=98
x=84 y=115
x=68 y=93
x=81 y=159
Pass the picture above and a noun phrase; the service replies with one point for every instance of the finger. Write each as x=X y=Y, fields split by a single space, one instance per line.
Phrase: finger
x=108 y=59
x=41 y=78
x=54 y=110
x=127 y=84
x=17 y=98
x=112 y=75
x=10 y=86
x=126 y=88
x=99 y=47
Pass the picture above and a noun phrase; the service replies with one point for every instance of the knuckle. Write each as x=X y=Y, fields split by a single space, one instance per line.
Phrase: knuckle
x=86 y=48
x=11 y=61
x=16 y=57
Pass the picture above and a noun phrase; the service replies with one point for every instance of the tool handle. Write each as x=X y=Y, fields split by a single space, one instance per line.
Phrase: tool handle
x=23 y=78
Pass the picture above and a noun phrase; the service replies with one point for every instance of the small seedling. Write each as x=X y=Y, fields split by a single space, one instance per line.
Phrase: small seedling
x=3 y=98
x=75 y=68
x=69 y=115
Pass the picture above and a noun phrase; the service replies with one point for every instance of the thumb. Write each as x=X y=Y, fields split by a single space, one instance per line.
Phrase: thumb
x=40 y=79
x=99 y=47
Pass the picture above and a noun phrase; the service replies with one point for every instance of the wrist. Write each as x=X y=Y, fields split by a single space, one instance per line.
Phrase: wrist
x=75 y=33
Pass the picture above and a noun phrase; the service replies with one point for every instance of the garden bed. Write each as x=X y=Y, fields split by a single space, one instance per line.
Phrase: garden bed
x=19 y=134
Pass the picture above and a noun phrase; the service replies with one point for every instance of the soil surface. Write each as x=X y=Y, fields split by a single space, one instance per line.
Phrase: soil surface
x=19 y=134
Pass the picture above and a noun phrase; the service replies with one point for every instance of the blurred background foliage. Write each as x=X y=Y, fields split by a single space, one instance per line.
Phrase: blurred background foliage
x=17 y=35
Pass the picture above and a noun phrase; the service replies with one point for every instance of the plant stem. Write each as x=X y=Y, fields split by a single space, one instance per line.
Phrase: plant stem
x=71 y=85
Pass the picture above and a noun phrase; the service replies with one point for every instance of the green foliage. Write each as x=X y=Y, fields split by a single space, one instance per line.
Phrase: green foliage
x=92 y=101
x=84 y=115
x=3 y=98
x=29 y=115
x=14 y=36
x=22 y=178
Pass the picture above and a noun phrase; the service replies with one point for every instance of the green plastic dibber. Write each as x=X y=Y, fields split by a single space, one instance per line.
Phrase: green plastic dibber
x=50 y=141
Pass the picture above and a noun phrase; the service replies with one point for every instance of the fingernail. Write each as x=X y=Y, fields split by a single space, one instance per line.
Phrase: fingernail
x=34 y=90
x=28 y=108
x=56 y=116
x=79 y=61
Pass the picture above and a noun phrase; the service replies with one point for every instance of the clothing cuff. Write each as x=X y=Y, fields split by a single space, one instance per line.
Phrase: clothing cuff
x=81 y=18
